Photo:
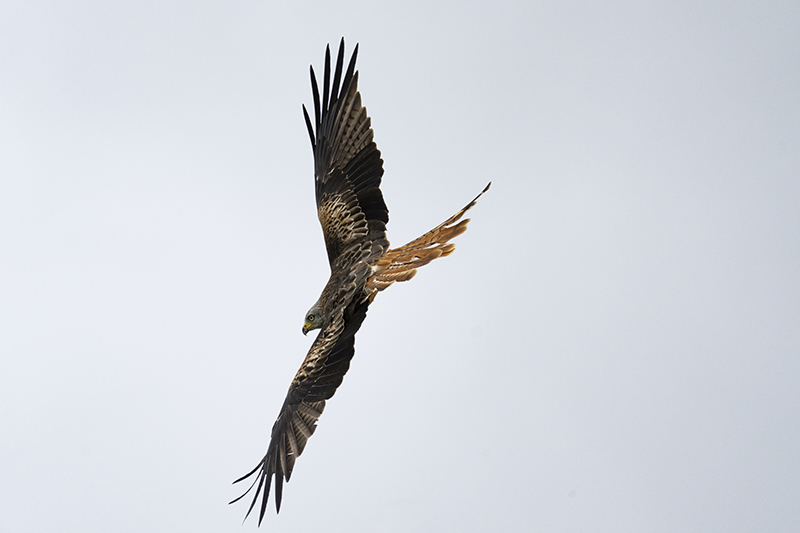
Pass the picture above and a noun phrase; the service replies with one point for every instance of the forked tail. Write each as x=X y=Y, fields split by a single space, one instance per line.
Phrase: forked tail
x=401 y=264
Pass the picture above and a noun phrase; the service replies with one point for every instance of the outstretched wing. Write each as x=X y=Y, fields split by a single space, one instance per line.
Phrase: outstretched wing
x=347 y=165
x=317 y=380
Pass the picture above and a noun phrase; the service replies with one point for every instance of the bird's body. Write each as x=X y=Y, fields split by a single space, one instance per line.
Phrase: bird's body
x=347 y=173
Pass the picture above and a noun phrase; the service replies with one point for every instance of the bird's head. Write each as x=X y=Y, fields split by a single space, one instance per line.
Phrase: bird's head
x=313 y=319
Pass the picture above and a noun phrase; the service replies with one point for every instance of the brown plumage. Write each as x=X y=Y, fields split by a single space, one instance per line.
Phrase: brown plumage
x=347 y=174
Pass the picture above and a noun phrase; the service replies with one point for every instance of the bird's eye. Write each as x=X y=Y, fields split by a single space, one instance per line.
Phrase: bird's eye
x=310 y=318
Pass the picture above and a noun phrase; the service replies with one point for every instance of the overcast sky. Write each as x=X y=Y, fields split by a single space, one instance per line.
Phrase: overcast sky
x=613 y=347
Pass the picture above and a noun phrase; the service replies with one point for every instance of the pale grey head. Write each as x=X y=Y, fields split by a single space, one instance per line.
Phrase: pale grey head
x=313 y=319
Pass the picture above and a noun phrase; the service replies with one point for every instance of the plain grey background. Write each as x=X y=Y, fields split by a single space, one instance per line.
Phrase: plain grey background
x=614 y=346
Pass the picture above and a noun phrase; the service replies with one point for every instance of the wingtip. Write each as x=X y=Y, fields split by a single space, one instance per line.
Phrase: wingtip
x=278 y=491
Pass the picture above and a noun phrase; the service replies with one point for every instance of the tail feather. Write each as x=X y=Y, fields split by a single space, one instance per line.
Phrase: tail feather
x=400 y=264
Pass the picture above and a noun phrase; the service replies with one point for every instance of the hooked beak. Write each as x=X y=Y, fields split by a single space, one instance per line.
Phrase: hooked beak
x=305 y=329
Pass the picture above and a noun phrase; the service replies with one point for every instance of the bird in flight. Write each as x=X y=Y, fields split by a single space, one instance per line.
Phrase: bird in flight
x=347 y=176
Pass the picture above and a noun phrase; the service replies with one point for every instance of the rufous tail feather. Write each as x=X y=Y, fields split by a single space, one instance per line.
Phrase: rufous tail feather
x=401 y=264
